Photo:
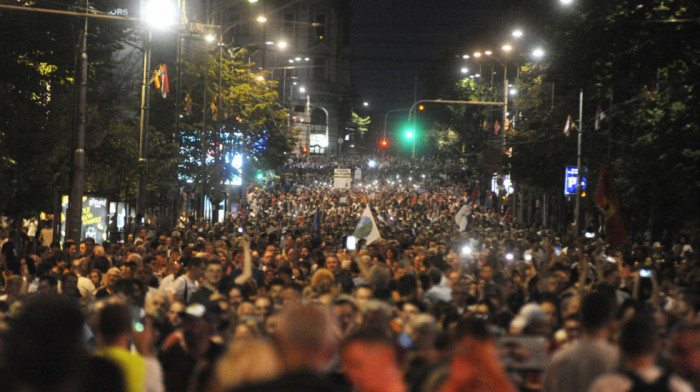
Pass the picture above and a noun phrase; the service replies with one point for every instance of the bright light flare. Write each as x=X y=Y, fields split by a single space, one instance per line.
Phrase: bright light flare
x=160 y=14
x=517 y=33
x=538 y=53
x=466 y=250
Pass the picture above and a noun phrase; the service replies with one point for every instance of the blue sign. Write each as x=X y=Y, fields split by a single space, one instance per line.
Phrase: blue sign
x=570 y=180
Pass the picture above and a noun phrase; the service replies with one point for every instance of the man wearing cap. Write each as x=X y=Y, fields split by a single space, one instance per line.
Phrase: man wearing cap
x=179 y=359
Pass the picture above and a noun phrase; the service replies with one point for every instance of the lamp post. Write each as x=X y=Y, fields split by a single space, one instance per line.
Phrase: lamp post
x=158 y=14
x=74 y=213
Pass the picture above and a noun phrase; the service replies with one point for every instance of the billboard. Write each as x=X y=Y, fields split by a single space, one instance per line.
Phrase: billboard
x=95 y=218
x=570 y=180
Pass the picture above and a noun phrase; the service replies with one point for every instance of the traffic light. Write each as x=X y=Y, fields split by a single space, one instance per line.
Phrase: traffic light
x=304 y=150
x=421 y=107
x=384 y=143
x=259 y=175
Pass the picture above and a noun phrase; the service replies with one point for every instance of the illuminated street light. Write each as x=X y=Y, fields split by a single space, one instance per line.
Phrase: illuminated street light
x=477 y=54
x=506 y=48
x=209 y=38
x=538 y=53
x=464 y=70
x=465 y=56
x=160 y=14
x=488 y=52
x=365 y=104
x=517 y=33
x=261 y=19
x=566 y=2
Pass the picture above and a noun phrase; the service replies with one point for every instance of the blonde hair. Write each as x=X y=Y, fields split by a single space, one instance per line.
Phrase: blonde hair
x=247 y=361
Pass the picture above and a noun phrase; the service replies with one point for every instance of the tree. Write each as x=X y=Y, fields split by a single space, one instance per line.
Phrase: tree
x=248 y=119
x=37 y=88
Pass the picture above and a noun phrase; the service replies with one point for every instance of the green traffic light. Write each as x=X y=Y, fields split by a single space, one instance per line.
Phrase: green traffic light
x=409 y=134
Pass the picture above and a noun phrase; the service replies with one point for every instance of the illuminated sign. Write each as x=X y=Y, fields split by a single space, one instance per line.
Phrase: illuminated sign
x=94 y=217
x=570 y=180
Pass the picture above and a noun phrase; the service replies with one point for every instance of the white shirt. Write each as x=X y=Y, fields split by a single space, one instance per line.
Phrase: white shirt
x=183 y=288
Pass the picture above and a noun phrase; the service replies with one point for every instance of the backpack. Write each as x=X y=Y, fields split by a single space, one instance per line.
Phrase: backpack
x=639 y=385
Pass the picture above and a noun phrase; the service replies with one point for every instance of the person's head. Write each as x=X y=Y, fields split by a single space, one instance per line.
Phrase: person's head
x=174 y=314
x=685 y=350
x=14 y=285
x=275 y=291
x=214 y=272
x=156 y=303
x=114 y=274
x=345 y=310
x=332 y=264
x=597 y=311
x=306 y=338
x=69 y=284
x=263 y=308
x=363 y=293
x=639 y=337
x=195 y=268
x=48 y=285
x=95 y=277
x=372 y=361
x=48 y=335
x=114 y=324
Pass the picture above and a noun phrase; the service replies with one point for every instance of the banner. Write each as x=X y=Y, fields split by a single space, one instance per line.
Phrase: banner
x=606 y=199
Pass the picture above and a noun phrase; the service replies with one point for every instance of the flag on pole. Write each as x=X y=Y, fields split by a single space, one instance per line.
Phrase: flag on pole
x=461 y=217
x=606 y=199
x=567 y=126
x=485 y=127
x=496 y=128
x=188 y=103
x=214 y=110
x=366 y=228
x=165 y=86
x=475 y=195
x=156 y=78
x=599 y=116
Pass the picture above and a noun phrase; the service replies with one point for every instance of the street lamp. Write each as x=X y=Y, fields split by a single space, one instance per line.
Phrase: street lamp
x=159 y=15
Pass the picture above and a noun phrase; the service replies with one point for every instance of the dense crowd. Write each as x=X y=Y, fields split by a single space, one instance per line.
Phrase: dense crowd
x=455 y=295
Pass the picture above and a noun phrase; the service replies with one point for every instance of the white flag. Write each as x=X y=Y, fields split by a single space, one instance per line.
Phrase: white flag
x=366 y=228
x=461 y=217
x=567 y=126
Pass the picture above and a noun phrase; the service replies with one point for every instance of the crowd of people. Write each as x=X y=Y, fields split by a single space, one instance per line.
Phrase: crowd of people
x=454 y=295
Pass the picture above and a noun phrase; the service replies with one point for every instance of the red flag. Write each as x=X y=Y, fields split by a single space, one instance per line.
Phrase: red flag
x=165 y=86
x=567 y=126
x=496 y=128
x=606 y=199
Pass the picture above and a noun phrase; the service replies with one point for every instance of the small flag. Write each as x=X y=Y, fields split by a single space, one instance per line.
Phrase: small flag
x=165 y=86
x=188 y=103
x=567 y=126
x=461 y=218
x=606 y=199
x=156 y=78
x=214 y=110
x=366 y=228
x=599 y=116
x=475 y=195
x=496 y=128
x=485 y=127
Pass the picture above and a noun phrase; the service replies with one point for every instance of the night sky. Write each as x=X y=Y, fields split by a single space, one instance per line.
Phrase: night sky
x=392 y=40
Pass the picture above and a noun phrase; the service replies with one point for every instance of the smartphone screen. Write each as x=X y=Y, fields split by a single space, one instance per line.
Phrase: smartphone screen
x=350 y=242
